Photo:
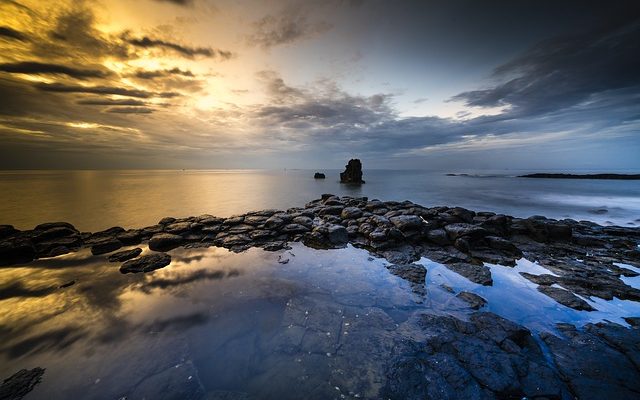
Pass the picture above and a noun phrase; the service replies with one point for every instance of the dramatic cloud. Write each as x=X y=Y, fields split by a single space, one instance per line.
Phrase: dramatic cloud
x=290 y=26
x=6 y=32
x=32 y=67
x=130 y=110
x=177 y=2
x=62 y=88
x=190 y=52
x=142 y=74
x=565 y=71
x=111 y=102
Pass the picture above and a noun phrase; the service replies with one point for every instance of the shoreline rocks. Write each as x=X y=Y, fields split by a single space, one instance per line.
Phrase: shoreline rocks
x=580 y=255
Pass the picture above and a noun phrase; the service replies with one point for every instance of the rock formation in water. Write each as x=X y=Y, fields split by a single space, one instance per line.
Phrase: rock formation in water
x=352 y=172
x=319 y=175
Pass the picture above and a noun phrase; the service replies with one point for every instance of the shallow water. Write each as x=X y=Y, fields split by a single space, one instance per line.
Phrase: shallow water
x=300 y=323
x=96 y=200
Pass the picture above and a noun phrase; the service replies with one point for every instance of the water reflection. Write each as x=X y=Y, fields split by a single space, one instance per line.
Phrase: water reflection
x=216 y=324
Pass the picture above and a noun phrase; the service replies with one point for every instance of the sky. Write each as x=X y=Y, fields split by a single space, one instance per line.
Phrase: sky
x=441 y=85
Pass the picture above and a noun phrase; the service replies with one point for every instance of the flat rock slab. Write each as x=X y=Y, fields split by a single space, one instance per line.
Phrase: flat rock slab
x=125 y=255
x=475 y=302
x=20 y=384
x=480 y=274
x=566 y=298
x=146 y=263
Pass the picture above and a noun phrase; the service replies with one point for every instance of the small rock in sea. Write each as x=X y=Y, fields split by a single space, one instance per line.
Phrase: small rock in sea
x=318 y=175
x=20 y=384
x=146 y=263
x=475 y=302
x=125 y=255
x=352 y=172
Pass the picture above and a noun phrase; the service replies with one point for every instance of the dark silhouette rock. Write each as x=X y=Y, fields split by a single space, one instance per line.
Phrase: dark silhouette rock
x=146 y=263
x=20 y=384
x=125 y=255
x=165 y=241
x=352 y=172
x=318 y=175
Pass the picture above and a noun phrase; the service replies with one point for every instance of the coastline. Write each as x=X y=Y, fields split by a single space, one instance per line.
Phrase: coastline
x=581 y=260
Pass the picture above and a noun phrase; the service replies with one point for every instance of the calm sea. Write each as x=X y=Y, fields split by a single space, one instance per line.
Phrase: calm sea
x=95 y=200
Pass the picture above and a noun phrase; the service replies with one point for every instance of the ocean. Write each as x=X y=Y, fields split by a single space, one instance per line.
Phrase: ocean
x=95 y=200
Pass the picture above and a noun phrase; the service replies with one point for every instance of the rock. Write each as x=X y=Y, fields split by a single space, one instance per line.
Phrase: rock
x=235 y=240
x=130 y=237
x=20 y=384
x=479 y=274
x=304 y=221
x=475 y=302
x=351 y=213
x=146 y=263
x=327 y=236
x=407 y=223
x=273 y=222
x=165 y=241
x=438 y=236
x=352 y=172
x=294 y=228
x=167 y=220
x=105 y=246
x=233 y=220
x=413 y=273
x=318 y=175
x=565 y=298
x=177 y=227
x=16 y=250
x=49 y=225
x=54 y=233
x=592 y=368
x=260 y=234
x=331 y=210
x=7 y=231
x=499 y=243
x=125 y=255
x=462 y=229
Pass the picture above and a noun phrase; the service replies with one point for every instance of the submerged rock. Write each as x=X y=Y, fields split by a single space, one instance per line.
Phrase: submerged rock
x=352 y=172
x=20 y=384
x=146 y=263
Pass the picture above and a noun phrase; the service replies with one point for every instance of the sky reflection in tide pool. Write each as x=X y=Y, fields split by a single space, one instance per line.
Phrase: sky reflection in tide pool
x=216 y=324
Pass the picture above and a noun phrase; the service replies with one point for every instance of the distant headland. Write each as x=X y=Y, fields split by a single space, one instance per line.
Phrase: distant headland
x=583 y=176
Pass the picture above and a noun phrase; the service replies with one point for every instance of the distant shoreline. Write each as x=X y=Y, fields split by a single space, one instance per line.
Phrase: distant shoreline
x=583 y=176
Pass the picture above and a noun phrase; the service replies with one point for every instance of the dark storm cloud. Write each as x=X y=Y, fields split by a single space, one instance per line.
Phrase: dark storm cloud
x=290 y=26
x=189 y=52
x=7 y=32
x=565 y=71
x=177 y=2
x=32 y=67
x=63 y=88
x=130 y=110
x=111 y=102
x=144 y=74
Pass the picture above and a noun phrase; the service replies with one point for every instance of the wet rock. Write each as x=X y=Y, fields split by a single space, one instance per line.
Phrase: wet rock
x=177 y=227
x=146 y=263
x=235 y=240
x=413 y=273
x=479 y=274
x=593 y=369
x=459 y=230
x=20 y=384
x=565 y=298
x=274 y=222
x=255 y=220
x=294 y=228
x=233 y=220
x=260 y=234
x=105 y=246
x=303 y=220
x=487 y=357
x=504 y=245
x=50 y=225
x=125 y=255
x=327 y=236
x=165 y=241
x=7 y=231
x=167 y=221
x=17 y=250
x=352 y=172
x=475 y=302
x=319 y=175
x=407 y=223
x=275 y=245
x=241 y=228
x=130 y=237
x=331 y=210
x=54 y=233
x=351 y=213
x=439 y=237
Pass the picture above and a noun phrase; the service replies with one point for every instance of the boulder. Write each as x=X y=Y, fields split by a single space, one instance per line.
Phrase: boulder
x=146 y=263
x=318 y=175
x=125 y=255
x=351 y=213
x=16 y=251
x=7 y=231
x=406 y=223
x=352 y=172
x=105 y=246
x=165 y=241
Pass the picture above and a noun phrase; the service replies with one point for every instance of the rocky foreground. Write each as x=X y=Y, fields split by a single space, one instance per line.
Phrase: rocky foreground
x=485 y=357
x=581 y=254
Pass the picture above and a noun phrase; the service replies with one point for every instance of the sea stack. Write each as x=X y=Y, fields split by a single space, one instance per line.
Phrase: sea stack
x=352 y=172
x=319 y=175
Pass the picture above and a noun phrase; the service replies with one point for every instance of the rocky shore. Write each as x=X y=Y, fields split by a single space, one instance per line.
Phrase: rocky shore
x=485 y=357
x=580 y=254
